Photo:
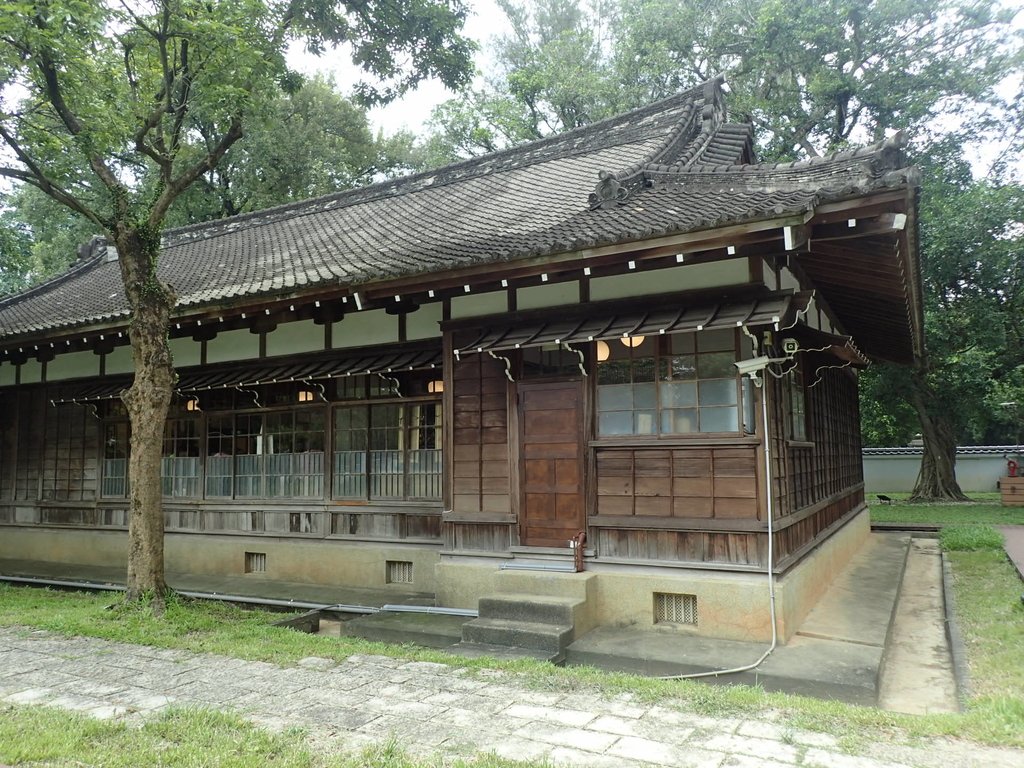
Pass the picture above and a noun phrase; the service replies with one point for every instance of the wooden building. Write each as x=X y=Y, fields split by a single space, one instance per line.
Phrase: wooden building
x=632 y=330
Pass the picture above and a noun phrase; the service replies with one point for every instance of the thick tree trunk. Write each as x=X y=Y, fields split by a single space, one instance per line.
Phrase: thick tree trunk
x=148 y=401
x=937 y=479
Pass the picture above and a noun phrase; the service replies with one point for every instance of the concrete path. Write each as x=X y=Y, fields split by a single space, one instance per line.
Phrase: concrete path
x=430 y=709
x=1014 y=536
x=917 y=676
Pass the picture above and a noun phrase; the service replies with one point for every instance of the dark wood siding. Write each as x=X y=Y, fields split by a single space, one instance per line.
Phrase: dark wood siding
x=692 y=483
x=483 y=513
x=818 y=483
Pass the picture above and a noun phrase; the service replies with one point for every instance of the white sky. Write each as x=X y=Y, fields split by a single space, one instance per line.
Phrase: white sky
x=486 y=21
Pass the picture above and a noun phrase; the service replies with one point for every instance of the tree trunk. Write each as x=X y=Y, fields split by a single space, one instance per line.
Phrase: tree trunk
x=148 y=401
x=937 y=479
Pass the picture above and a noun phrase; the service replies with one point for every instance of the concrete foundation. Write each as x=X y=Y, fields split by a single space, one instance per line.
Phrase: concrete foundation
x=730 y=605
x=330 y=562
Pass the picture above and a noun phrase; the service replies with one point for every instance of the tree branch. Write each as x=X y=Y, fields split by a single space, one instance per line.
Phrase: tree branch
x=55 y=96
x=180 y=184
x=59 y=194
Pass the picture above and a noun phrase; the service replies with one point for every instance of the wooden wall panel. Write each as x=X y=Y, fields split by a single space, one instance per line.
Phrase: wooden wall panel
x=745 y=549
x=8 y=443
x=30 y=441
x=679 y=482
x=481 y=480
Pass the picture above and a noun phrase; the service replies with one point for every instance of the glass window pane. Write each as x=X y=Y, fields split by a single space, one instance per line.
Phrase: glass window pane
x=679 y=421
x=615 y=397
x=678 y=393
x=718 y=392
x=680 y=367
x=644 y=396
x=717 y=365
x=615 y=423
x=644 y=423
x=719 y=419
x=644 y=369
x=613 y=372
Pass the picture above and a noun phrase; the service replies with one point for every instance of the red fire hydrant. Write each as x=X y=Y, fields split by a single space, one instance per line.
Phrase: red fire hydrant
x=1011 y=468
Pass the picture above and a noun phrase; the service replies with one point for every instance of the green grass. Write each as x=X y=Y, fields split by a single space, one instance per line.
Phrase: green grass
x=990 y=615
x=187 y=738
x=980 y=510
x=987 y=587
x=970 y=538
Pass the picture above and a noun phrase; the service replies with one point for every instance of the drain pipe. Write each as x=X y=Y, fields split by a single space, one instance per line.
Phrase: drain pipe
x=770 y=509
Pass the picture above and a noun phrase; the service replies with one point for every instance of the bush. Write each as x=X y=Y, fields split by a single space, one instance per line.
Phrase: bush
x=970 y=538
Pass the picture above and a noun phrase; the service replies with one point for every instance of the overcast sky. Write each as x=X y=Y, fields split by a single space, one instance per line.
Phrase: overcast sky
x=485 y=22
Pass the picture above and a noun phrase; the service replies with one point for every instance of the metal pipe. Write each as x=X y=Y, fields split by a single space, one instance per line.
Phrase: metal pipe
x=437 y=609
x=555 y=567
x=771 y=565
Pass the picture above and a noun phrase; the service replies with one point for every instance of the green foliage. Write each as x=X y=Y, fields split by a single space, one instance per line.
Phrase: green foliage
x=115 y=110
x=17 y=266
x=973 y=274
x=812 y=76
x=970 y=538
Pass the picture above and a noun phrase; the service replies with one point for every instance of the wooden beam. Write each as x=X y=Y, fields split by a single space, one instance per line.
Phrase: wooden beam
x=884 y=224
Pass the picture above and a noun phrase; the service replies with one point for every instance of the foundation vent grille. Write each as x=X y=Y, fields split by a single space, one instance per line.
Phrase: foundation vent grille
x=255 y=562
x=672 y=608
x=399 y=572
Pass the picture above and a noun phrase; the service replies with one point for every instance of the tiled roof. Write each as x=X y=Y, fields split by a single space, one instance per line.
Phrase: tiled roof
x=681 y=167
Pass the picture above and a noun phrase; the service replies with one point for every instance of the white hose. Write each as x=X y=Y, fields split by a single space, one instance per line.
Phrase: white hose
x=771 y=564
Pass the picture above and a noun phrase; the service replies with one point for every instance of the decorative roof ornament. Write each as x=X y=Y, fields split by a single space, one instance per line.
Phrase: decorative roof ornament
x=608 y=193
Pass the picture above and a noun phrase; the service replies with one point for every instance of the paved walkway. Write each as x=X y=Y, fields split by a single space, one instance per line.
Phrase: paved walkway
x=429 y=708
x=1014 y=537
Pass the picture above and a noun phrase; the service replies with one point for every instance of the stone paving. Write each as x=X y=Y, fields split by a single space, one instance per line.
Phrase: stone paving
x=430 y=709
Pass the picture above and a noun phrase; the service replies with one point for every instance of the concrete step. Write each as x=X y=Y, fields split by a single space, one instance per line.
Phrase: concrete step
x=576 y=585
x=502 y=652
x=531 y=608
x=519 y=634
x=426 y=629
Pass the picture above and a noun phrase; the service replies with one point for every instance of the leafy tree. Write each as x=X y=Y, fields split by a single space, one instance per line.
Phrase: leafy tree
x=812 y=75
x=302 y=143
x=91 y=90
x=16 y=265
x=306 y=142
x=974 y=301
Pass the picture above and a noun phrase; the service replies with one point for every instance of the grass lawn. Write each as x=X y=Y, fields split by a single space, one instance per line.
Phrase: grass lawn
x=984 y=508
x=987 y=590
x=185 y=738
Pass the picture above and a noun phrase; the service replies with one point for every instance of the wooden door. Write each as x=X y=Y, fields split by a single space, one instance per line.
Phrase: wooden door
x=551 y=462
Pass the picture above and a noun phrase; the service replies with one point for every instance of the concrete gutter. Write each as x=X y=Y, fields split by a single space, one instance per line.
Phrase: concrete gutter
x=957 y=648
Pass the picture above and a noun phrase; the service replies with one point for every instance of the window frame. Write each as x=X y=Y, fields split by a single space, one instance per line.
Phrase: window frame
x=662 y=353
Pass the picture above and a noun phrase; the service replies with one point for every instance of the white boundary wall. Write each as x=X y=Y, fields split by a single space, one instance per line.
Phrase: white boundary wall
x=978 y=467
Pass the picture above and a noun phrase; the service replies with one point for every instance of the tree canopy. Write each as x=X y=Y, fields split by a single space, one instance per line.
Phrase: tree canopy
x=102 y=106
x=811 y=76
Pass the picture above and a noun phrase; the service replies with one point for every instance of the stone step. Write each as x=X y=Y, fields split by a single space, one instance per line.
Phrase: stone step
x=428 y=629
x=539 y=609
x=502 y=652
x=578 y=585
x=519 y=634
